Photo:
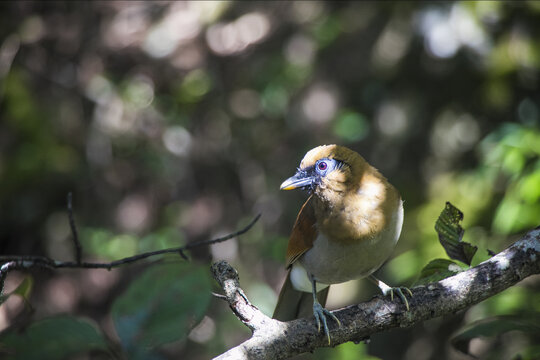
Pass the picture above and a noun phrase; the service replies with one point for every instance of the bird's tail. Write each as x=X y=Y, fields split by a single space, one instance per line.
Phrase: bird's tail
x=293 y=304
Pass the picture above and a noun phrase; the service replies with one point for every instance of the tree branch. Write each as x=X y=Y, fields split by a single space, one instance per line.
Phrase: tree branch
x=273 y=339
x=12 y=262
x=73 y=227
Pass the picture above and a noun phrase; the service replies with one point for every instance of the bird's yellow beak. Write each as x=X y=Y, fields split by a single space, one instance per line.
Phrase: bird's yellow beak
x=299 y=180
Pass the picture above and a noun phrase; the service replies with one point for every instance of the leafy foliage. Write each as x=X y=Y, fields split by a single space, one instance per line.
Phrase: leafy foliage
x=51 y=339
x=161 y=306
x=451 y=233
x=497 y=326
x=436 y=270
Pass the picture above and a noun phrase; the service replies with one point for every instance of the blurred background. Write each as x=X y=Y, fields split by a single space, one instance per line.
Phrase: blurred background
x=173 y=122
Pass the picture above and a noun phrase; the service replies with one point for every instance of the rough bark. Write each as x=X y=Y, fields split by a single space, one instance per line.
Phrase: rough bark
x=273 y=339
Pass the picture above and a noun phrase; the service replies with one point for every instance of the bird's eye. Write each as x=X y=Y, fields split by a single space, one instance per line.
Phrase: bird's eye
x=322 y=166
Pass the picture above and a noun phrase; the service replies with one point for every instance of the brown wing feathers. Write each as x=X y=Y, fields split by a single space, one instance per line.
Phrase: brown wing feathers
x=303 y=233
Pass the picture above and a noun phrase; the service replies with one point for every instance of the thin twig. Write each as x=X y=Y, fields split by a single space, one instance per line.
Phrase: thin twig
x=78 y=247
x=219 y=296
x=11 y=262
x=223 y=238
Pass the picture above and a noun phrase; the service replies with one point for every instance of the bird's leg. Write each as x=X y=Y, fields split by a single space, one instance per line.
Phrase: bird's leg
x=390 y=290
x=320 y=312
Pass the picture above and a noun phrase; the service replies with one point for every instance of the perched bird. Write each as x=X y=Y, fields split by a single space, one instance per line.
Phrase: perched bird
x=345 y=230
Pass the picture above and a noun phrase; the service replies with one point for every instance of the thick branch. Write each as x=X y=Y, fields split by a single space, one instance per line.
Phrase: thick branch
x=277 y=340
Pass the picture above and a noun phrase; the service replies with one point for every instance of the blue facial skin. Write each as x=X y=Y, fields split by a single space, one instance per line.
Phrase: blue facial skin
x=318 y=171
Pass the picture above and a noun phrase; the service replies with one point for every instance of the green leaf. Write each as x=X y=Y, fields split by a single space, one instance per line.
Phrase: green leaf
x=23 y=290
x=436 y=270
x=52 y=338
x=495 y=326
x=450 y=234
x=161 y=306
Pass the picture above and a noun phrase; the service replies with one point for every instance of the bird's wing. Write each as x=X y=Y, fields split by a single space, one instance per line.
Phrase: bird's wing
x=303 y=233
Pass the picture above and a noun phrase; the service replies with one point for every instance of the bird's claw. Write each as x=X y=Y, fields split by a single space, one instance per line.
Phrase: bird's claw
x=390 y=290
x=320 y=315
x=398 y=290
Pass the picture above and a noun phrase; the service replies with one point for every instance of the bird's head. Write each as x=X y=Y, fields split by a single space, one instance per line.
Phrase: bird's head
x=326 y=168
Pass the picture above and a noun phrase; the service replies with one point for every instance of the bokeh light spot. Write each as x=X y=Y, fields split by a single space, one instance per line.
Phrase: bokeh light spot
x=320 y=104
x=391 y=119
x=300 y=50
x=133 y=213
x=195 y=85
x=351 y=126
x=234 y=37
x=245 y=103
x=177 y=140
x=204 y=331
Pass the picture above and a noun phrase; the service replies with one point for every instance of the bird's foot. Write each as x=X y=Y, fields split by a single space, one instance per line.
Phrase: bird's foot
x=399 y=291
x=320 y=315
x=390 y=290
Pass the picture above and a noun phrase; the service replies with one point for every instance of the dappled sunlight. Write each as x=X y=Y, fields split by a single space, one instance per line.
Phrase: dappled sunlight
x=32 y=29
x=188 y=57
x=245 y=103
x=180 y=24
x=300 y=50
x=453 y=134
x=391 y=119
x=62 y=294
x=320 y=103
x=307 y=11
x=235 y=37
x=172 y=122
x=133 y=213
x=447 y=30
x=392 y=44
x=128 y=26
x=456 y=283
x=177 y=140
x=139 y=92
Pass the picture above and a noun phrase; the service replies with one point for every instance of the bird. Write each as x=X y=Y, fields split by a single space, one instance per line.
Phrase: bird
x=346 y=229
